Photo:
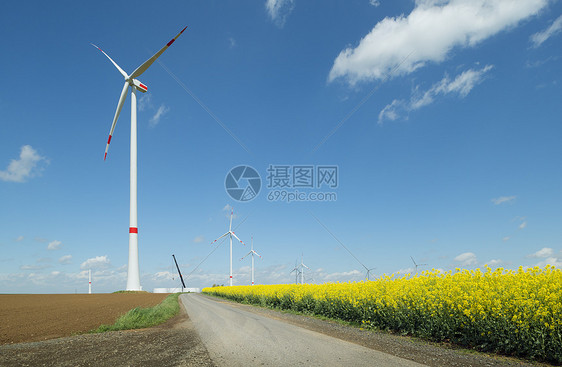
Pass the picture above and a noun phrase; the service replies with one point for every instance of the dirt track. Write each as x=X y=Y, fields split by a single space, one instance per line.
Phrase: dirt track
x=36 y=317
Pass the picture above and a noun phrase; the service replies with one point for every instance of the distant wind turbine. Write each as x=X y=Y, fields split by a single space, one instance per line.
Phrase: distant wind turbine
x=133 y=273
x=297 y=272
x=252 y=252
x=230 y=234
x=369 y=273
x=416 y=264
x=300 y=270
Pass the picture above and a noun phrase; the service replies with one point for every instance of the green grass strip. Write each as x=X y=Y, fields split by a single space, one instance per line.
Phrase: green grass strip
x=140 y=317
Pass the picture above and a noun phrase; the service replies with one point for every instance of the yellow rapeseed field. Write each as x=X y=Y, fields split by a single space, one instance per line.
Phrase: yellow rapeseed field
x=512 y=312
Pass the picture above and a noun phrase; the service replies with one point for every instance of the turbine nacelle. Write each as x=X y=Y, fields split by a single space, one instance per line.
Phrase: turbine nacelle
x=137 y=84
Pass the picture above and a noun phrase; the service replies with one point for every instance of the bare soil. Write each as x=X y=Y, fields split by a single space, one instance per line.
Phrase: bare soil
x=36 y=317
x=174 y=343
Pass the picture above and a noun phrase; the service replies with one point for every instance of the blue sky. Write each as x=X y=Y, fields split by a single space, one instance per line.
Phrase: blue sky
x=443 y=118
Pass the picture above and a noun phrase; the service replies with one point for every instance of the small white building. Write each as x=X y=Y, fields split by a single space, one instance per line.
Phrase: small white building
x=176 y=290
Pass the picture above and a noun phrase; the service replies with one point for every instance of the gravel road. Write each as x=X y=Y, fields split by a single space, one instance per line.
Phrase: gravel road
x=252 y=334
x=236 y=337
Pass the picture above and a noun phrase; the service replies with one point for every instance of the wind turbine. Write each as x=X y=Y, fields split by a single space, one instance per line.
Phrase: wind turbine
x=231 y=234
x=252 y=252
x=416 y=264
x=300 y=270
x=296 y=270
x=133 y=274
x=369 y=272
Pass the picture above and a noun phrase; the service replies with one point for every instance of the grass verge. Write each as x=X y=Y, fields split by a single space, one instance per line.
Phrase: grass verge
x=140 y=317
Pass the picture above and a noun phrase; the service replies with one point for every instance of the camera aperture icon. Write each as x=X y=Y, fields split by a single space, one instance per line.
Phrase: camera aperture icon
x=243 y=183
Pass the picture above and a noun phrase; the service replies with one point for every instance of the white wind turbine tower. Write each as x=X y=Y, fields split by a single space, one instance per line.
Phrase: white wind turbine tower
x=416 y=264
x=231 y=234
x=296 y=270
x=252 y=252
x=133 y=275
x=300 y=270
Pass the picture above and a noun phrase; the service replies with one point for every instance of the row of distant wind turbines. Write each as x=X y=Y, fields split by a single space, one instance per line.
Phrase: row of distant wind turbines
x=133 y=272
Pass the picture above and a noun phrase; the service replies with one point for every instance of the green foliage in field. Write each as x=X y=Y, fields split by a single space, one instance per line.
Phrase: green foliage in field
x=130 y=292
x=511 y=312
x=139 y=317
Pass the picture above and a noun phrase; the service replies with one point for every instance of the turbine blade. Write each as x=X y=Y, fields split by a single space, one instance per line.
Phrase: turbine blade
x=226 y=234
x=257 y=254
x=141 y=69
x=235 y=236
x=305 y=266
x=245 y=255
x=114 y=63
x=117 y=112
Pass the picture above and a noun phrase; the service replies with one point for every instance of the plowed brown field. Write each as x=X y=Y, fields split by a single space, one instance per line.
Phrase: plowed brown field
x=35 y=317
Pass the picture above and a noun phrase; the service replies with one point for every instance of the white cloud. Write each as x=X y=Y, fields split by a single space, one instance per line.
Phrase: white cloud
x=466 y=259
x=503 y=199
x=554 y=261
x=66 y=259
x=390 y=111
x=163 y=275
x=98 y=262
x=279 y=10
x=540 y=37
x=374 y=3
x=199 y=239
x=27 y=166
x=461 y=86
x=523 y=225
x=154 y=120
x=232 y=42
x=34 y=267
x=495 y=262
x=543 y=252
x=145 y=102
x=54 y=245
x=428 y=35
x=506 y=238
x=19 y=239
x=227 y=208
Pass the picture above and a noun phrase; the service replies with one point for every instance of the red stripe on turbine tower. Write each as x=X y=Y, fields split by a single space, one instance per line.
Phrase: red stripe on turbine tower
x=109 y=139
x=133 y=230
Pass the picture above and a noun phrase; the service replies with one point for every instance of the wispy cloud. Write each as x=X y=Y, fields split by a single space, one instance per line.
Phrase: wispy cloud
x=374 y=3
x=506 y=238
x=19 y=238
x=540 y=37
x=495 y=262
x=543 y=252
x=54 y=245
x=66 y=259
x=29 y=164
x=503 y=199
x=523 y=225
x=231 y=42
x=461 y=85
x=145 y=102
x=432 y=31
x=155 y=120
x=98 y=262
x=466 y=259
x=279 y=10
x=199 y=239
